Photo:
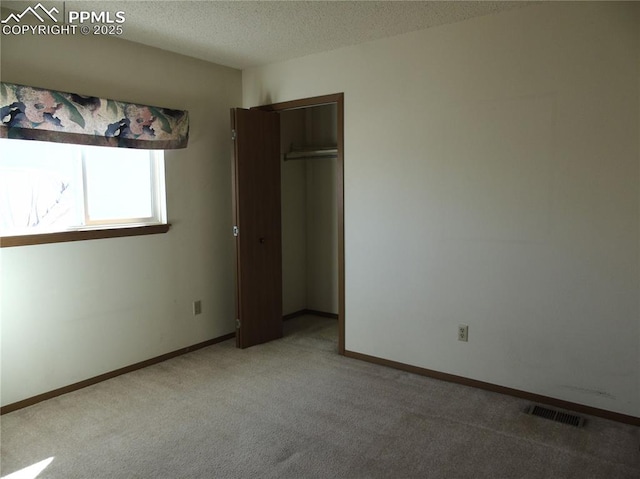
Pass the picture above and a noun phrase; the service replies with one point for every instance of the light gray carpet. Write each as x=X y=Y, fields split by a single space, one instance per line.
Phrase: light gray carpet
x=293 y=408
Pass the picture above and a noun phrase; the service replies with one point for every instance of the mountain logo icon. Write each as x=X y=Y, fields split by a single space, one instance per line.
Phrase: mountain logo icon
x=39 y=11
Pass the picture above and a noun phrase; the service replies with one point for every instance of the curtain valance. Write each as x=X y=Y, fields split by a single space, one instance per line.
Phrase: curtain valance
x=38 y=114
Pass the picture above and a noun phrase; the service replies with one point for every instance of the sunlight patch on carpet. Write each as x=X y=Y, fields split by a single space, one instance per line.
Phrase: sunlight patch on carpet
x=30 y=472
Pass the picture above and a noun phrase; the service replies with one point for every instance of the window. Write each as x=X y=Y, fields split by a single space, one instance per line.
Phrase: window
x=56 y=187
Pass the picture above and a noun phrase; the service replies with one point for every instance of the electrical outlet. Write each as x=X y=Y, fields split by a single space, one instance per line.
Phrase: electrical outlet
x=197 y=307
x=463 y=332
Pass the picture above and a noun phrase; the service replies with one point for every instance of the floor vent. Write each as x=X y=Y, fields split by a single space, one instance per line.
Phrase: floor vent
x=557 y=416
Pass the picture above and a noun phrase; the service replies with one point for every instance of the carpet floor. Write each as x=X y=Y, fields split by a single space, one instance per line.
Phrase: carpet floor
x=294 y=408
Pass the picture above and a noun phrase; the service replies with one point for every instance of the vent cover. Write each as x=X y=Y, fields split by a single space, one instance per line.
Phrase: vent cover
x=557 y=416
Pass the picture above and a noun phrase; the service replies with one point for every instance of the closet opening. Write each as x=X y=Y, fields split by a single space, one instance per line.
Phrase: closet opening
x=312 y=205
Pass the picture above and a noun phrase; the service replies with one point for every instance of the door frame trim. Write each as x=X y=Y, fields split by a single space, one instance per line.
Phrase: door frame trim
x=338 y=99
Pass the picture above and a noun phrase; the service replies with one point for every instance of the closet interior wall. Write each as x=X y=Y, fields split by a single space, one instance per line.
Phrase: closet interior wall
x=309 y=213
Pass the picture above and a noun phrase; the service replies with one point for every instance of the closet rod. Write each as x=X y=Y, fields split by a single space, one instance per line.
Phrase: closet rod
x=302 y=154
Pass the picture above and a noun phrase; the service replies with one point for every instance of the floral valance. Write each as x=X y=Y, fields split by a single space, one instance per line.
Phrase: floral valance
x=37 y=114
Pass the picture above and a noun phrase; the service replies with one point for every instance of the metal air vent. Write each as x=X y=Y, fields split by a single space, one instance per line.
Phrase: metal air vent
x=557 y=416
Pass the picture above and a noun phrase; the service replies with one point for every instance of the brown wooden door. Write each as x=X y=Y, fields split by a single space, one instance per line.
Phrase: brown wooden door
x=256 y=205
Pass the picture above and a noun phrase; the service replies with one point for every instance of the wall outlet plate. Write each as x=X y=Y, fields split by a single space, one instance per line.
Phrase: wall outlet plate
x=463 y=332
x=197 y=307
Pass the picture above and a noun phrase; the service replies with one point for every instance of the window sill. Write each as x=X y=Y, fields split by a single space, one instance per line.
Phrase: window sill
x=81 y=235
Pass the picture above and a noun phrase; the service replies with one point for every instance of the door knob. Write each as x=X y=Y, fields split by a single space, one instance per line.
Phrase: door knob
x=261 y=240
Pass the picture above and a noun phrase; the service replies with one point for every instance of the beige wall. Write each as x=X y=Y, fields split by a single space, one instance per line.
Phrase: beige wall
x=294 y=214
x=491 y=179
x=322 y=235
x=322 y=218
x=72 y=311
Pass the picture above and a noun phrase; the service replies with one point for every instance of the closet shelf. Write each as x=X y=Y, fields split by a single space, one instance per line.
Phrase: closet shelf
x=312 y=152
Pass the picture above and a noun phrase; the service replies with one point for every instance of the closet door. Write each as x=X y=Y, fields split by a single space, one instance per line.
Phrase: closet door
x=256 y=206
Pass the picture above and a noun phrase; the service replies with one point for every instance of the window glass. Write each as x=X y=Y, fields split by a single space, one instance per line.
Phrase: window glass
x=47 y=187
x=118 y=186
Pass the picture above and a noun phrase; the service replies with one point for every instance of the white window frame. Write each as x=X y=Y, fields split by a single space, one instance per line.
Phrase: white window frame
x=158 y=206
x=157 y=223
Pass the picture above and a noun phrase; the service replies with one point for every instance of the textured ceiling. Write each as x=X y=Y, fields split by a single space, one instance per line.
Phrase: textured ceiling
x=241 y=34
